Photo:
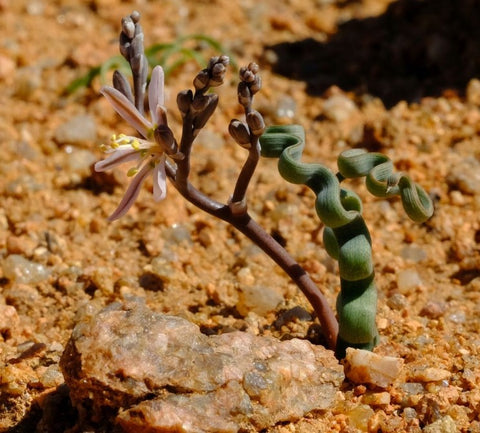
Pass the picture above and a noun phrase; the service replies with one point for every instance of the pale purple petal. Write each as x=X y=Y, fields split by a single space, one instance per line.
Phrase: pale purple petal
x=159 y=181
x=132 y=193
x=118 y=157
x=127 y=110
x=156 y=92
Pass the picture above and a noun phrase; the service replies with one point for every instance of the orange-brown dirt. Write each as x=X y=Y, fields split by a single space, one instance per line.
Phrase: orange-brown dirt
x=396 y=77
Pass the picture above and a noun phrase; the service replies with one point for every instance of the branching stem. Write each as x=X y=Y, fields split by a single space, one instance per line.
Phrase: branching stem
x=253 y=231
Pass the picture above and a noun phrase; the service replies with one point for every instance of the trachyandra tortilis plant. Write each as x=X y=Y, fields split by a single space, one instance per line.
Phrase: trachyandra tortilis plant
x=346 y=236
x=160 y=154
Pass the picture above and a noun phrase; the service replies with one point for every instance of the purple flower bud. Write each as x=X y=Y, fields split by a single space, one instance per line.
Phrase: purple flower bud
x=121 y=83
x=253 y=67
x=184 y=101
x=165 y=138
x=218 y=70
x=128 y=27
x=225 y=60
x=199 y=103
x=239 y=131
x=202 y=79
x=256 y=85
x=256 y=123
x=244 y=94
x=248 y=76
x=202 y=118
x=135 y=16
x=212 y=61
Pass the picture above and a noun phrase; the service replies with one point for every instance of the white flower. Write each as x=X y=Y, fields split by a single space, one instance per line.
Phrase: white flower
x=149 y=151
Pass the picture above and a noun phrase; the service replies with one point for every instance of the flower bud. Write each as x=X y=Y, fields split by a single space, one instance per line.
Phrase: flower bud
x=199 y=103
x=256 y=123
x=184 y=101
x=225 y=60
x=239 y=132
x=253 y=67
x=135 y=16
x=121 y=83
x=212 y=62
x=128 y=27
x=218 y=75
x=248 y=76
x=165 y=138
x=202 y=118
x=256 y=85
x=201 y=80
x=218 y=70
x=244 y=94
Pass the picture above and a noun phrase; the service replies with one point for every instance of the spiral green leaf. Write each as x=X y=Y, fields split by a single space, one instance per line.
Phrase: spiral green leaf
x=346 y=236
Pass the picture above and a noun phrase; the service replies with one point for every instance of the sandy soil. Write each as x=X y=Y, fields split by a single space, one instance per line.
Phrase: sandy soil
x=396 y=77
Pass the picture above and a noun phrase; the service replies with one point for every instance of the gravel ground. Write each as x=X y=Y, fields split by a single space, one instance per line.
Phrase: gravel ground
x=396 y=77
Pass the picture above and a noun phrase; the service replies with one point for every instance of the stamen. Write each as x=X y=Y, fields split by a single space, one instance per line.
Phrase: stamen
x=132 y=171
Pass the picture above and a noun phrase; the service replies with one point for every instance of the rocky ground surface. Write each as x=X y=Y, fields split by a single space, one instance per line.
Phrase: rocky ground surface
x=396 y=77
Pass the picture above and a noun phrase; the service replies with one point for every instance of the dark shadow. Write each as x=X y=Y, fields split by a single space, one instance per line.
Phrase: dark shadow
x=56 y=414
x=96 y=182
x=416 y=48
x=151 y=282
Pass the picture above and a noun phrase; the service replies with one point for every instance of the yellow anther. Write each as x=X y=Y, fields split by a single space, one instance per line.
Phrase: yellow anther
x=132 y=172
x=135 y=144
x=114 y=141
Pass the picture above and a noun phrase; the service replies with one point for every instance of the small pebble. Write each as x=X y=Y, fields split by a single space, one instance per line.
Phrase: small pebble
x=79 y=159
x=377 y=399
x=412 y=388
x=52 y=377
x=7 y=67
x=428 y=374
x=397 y=301
x=408 y=279
x=413 y=253
x=9 y=320
x=176 y=234
x=286 y=107
x=443 y=425
x=433 y=309
x=473 y=91
x=20 y=270
x=258 y=299
x=339 y=108
x=80 y=129
x=457 y=317
x=465 y=176
x=359 y=417
x=362 y=366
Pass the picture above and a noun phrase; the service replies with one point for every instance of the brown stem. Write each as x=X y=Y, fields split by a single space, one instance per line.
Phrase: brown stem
x=252 y=230
x=246 y=173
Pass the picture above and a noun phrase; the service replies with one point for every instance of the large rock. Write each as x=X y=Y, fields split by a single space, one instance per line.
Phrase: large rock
x=160 y=373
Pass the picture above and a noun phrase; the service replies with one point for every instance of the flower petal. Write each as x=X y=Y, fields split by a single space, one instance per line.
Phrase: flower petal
x=159 y=181
x=118 y=157
x=132 y=193
x=127 y=110
x=156 y=92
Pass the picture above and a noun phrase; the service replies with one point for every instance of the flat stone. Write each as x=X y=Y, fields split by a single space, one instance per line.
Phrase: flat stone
x=162 y=374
